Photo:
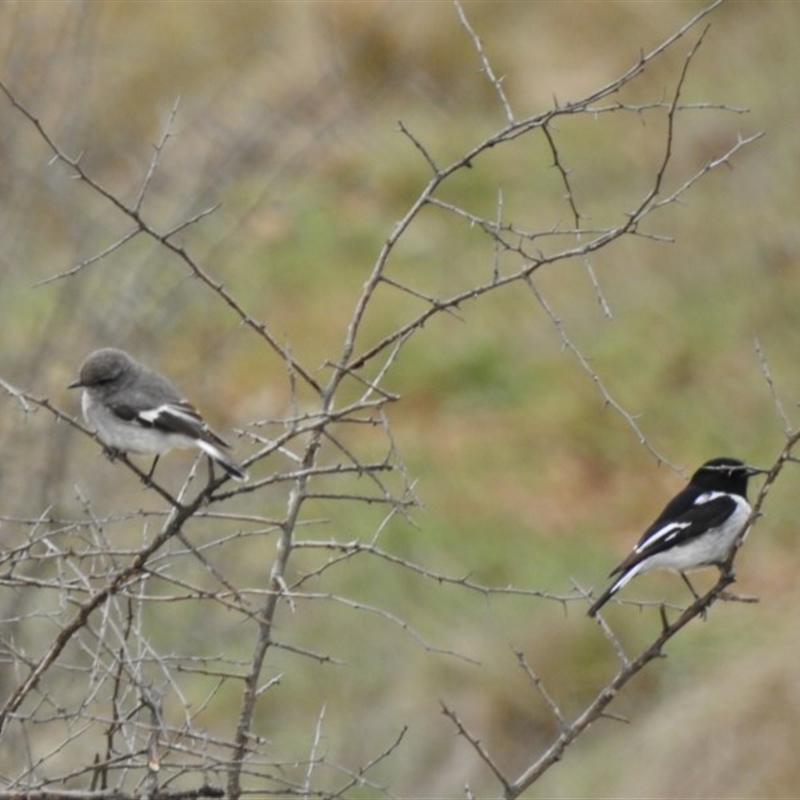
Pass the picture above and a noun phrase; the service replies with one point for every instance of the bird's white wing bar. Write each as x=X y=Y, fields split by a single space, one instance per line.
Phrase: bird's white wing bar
x=170 y=415
x=625 y=577
x=707 y=497
x=664 y=533
x=670 y=530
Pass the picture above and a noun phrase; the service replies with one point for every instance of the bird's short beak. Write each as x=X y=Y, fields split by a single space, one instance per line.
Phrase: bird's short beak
x=75 y=384
x=756 y=471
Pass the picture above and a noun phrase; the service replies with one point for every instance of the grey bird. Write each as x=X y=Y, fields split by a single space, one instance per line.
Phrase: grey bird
x=134 y=409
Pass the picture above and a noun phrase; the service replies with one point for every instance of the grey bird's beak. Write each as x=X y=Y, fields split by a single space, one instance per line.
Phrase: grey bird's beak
x=75 y=384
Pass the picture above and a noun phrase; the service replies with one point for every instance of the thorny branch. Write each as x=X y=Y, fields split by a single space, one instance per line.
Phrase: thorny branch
x=104 y=590
x=629 y=667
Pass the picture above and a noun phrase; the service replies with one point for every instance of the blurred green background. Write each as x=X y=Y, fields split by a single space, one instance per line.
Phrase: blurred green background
x=288 y=117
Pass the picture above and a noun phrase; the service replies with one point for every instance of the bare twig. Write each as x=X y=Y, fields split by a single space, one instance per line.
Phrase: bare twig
x=486 y=66
x=608 y=399
x=765 y=370
x=540 y=687
x=476 y=745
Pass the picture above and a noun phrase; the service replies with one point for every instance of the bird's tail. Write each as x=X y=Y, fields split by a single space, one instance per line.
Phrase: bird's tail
x=612 y=590
x=603 y=599
x=225 y=461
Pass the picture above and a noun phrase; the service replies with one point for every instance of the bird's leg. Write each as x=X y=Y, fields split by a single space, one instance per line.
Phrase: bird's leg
x=211 y=476
x=689 y=584
x=694 y=594
x=152 y=469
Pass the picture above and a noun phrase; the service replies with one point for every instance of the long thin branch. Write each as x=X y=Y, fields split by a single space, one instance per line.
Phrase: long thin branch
x=164 y=239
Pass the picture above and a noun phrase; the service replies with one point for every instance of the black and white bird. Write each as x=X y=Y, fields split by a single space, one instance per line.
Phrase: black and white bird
x=134 y=409
x=697 y=528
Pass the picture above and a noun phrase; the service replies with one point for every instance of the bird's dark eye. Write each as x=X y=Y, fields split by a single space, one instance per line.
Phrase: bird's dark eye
x=102 y=381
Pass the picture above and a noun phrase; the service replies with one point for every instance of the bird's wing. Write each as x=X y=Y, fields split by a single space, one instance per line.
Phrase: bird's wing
x=173 y=417
x=687 y=516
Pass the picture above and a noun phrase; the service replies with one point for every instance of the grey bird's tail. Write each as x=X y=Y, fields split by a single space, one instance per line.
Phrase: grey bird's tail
x=225 y=461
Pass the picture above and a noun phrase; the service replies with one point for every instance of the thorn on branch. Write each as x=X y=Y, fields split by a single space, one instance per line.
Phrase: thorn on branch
x=616 y=717
x=422 y=149
x=476 y=745
x=542 y=690
x=732 y=597
x=486 y=67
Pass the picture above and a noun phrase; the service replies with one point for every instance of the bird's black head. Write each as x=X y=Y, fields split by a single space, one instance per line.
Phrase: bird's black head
x=724 y=475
